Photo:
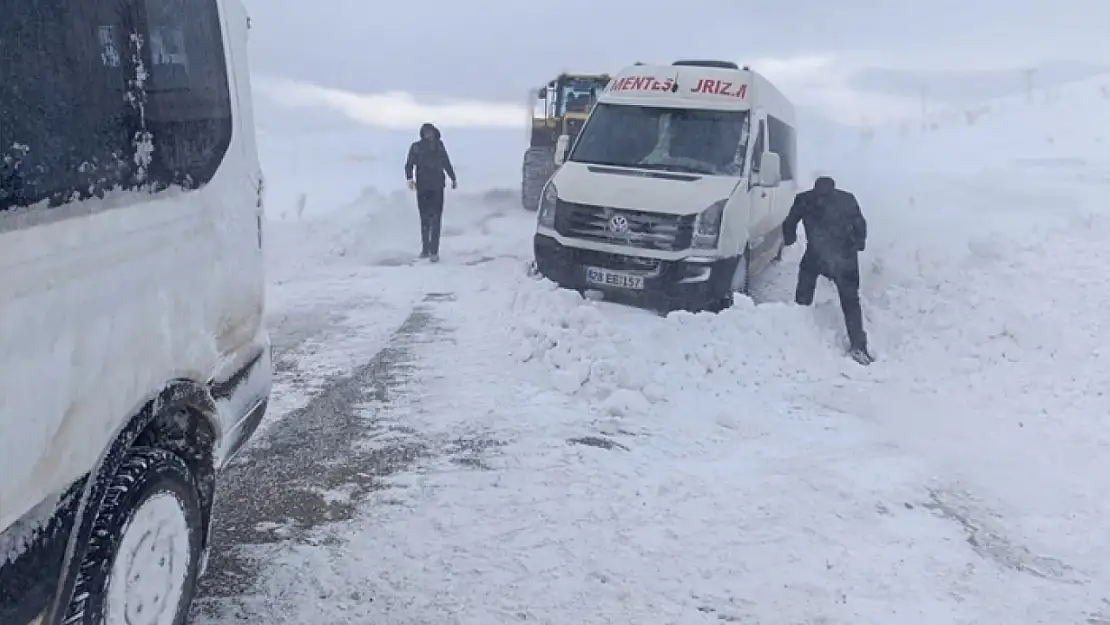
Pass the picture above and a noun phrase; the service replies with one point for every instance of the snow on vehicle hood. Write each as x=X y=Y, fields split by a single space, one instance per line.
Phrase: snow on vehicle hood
x=638 y=189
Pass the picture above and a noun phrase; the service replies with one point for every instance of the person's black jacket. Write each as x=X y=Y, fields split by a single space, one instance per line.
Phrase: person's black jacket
x=429 y=161
x=836 y=230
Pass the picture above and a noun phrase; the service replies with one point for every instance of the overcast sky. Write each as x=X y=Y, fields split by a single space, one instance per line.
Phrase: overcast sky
x=346 y=53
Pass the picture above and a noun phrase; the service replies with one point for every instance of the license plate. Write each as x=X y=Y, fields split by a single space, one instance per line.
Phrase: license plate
x=604 y=277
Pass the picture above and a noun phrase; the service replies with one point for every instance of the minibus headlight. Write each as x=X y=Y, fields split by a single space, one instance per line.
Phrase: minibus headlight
x=548 y=201
x=707 y=225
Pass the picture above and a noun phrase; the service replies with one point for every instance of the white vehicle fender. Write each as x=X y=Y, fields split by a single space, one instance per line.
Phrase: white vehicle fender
x=736 y=225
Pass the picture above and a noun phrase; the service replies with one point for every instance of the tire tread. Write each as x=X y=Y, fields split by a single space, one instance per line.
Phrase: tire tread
x=138 y=465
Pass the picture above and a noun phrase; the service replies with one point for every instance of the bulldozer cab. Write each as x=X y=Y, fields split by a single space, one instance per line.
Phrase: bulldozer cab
x=562 y=105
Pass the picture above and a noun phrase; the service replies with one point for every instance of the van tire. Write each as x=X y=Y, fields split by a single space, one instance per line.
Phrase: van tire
x=744 y=264
x=538 y=167
x=148 y=480
x=743 y=287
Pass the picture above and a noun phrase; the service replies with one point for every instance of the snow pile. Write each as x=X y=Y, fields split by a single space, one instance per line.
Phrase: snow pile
x=1050 y=133
x=985 y=293
x=631 y=361
x=999 y=355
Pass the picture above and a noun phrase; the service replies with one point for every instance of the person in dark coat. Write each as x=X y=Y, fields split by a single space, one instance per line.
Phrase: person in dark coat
x=427 y=168
x=836 y=232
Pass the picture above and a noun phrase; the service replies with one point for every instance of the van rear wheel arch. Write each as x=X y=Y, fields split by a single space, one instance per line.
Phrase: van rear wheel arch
x=182 y=419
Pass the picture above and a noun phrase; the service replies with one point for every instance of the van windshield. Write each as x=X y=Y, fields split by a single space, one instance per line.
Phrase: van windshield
x=668 y=139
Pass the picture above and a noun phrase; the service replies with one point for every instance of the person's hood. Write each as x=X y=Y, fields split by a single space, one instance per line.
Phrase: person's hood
x=429 y=126
x=824 y=185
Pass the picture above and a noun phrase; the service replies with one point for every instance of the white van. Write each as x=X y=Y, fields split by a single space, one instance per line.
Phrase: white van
x=135 y=362
x=676 y=188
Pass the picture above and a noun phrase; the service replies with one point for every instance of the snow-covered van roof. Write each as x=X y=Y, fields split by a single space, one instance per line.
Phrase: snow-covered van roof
x=688 y=86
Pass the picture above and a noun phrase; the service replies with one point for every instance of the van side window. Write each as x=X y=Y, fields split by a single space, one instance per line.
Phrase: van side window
x=103 y=96
x=188 y=107
x=757 y=151
x=782 y=142
x=65 y=128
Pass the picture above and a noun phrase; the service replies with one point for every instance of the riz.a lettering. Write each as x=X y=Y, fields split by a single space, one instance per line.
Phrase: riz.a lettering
x=725 y=88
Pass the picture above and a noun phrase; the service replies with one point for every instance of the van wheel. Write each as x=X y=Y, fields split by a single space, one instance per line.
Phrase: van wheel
x=739 y=283
x=144 y=556
x=741 y=277
x=537 y=169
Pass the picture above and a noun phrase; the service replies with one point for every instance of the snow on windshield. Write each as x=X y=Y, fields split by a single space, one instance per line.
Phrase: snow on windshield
x=690 y=140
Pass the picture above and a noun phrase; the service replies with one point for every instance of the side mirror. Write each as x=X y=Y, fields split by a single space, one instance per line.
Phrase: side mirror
x=561 y=145
x=541 y=93
x=770 y=173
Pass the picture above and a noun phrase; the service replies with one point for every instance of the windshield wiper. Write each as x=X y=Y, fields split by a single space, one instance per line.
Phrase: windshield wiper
x=688 y=169
x=602 y=163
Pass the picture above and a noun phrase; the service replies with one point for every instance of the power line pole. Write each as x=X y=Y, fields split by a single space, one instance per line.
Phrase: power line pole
x=924 y=107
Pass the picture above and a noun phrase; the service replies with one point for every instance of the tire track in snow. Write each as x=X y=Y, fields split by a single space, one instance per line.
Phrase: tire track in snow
x=992 y=545
x=316 y=467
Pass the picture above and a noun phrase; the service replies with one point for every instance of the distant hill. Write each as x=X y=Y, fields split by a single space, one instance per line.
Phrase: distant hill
x=957 y=87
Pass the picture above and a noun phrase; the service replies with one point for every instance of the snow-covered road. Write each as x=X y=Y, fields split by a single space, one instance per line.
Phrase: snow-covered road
x=459 y=443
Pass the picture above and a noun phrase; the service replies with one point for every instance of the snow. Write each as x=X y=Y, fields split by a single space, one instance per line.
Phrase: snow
x=311 y=171
x=754 y=474
x=333 y=271
x=1059 y=127
x=21 y=535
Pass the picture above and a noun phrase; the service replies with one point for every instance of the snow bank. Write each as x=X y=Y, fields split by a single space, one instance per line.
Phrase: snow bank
x=1050 y=134
x=985 y=291
x=382 y=229
x=310 y=173
x=337 y=193
x=630 y=360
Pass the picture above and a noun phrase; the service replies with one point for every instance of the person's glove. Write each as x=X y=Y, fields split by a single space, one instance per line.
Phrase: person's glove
x=412 y=185
x=454 y=184
x=789 y=239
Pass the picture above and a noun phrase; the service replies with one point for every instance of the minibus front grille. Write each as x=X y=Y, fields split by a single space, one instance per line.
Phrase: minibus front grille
x=618 y=226
x=617 y=262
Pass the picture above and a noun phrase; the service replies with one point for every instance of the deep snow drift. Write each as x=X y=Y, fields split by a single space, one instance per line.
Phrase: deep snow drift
x=985 y=293
x=736 y=467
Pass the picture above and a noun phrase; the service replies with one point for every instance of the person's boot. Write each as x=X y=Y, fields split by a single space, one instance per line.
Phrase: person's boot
x=435 y=258
x=860 y=354
x=425 y=254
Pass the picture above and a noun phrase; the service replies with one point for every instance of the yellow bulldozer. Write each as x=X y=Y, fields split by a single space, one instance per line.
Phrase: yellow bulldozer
x=558 y=108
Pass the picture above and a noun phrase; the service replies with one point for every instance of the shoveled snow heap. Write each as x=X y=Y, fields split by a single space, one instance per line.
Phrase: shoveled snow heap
x=629 y=360
x=956 y=480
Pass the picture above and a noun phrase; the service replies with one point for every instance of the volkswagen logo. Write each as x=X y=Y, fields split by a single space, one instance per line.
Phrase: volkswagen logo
x=618 y=224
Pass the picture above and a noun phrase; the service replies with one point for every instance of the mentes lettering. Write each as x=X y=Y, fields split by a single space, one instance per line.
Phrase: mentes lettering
x=720 y=87
x=642 y=83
